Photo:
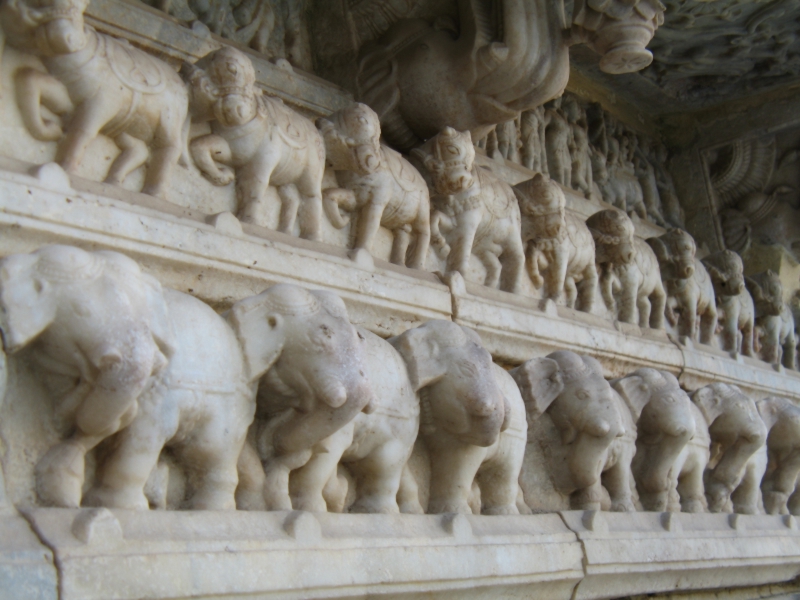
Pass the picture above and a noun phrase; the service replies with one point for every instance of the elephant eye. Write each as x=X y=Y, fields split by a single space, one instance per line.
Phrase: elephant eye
x=582 y=394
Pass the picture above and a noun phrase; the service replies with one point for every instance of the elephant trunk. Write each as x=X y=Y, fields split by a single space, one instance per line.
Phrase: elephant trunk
x=339 y=403
x=332 y=200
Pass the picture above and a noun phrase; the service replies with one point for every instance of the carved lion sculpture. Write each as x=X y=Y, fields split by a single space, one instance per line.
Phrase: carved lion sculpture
x=104 y=86
x=257 y=140
x=630 y=280
x=735 y=310
x=774 y=320
x=559 y=244
x=479 y=211
x=688 y=285
x=383 y=186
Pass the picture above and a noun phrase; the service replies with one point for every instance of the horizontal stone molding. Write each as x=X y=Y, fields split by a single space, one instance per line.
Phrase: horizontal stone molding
x=118 y=555
x=231 y=261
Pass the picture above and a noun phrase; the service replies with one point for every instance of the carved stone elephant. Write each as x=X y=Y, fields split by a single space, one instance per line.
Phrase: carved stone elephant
x=775 y=327
x=738 y=452
x=630 y=280
x=559 y=244
x=97 y=84
x=257 y=140
x=779 y=485
x=665 y=422
x=437 y=381
x=581 y=436
x=735 y=309
x=480 y=211
x=315 y=380
x=688 y=286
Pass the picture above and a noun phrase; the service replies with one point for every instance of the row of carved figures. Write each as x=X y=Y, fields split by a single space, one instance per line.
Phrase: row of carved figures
x=282 y=403
x=584 y=148
x=97 y=84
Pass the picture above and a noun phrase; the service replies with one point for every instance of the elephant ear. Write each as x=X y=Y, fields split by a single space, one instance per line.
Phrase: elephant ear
x=28 y=301
x=158 y=316
x=472 y=335
x=332 y=303
x=708 y=401
x=754 y=287
x=634 y=392
x=261 y=333
x=421 y=353
x=540 y=381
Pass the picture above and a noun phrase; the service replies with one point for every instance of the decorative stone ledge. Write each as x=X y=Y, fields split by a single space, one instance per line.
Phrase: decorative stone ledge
x=118 y=555
x=232 y=261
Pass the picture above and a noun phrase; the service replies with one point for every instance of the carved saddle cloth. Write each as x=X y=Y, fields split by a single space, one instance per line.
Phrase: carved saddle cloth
x=283 y=122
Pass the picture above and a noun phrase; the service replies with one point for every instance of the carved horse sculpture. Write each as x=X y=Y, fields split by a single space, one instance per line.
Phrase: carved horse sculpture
x=107 y=85
x=497 y=59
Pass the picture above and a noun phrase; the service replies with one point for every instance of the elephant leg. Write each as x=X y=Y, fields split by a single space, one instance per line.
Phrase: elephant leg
x=587 y=290
x=252 y=183
x=37 y=90
x=60 y=472
x=643 y=306
x=493 y=267
x=746 y=496
x=402 y=238
x=708 y=325
x=276 y=478
x=290 y=204
x=378 y=476
x=163 y=160
x=462 y=239
x=84 y=126
x=690 y=488
x=794 y=503
x=408 y=493
x=747 y=339
x=587 y=498
x=422 y=240
x=133 y=155
x=790 y=353
x=124 y=472
x=513 y=261
x=453 y=469
x=369 y=222
x=617 y=480
x=780 y=484
x=658 y=302
x=570 y=292
x=307 y=483
x=249 y=494
x=498 y=481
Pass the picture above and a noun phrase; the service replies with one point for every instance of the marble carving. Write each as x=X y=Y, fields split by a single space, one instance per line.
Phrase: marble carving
x=96 y=84
x=257 y=141
x=559 y=246
x=735 y=309
x=775 y=326
x=478 y=212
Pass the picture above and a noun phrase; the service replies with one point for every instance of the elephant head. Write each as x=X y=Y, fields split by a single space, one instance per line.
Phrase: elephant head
x=583 y=407
x=613 y=233
x=675 y=251
x=737 y=432
x=448 y=157
x=665 y=424
x=310 y=357
x=352 y=139
x=727 y=273
x=767 y=292
x=454 y=375
x=45 y=27
x=223 y=88
x=542 y=204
